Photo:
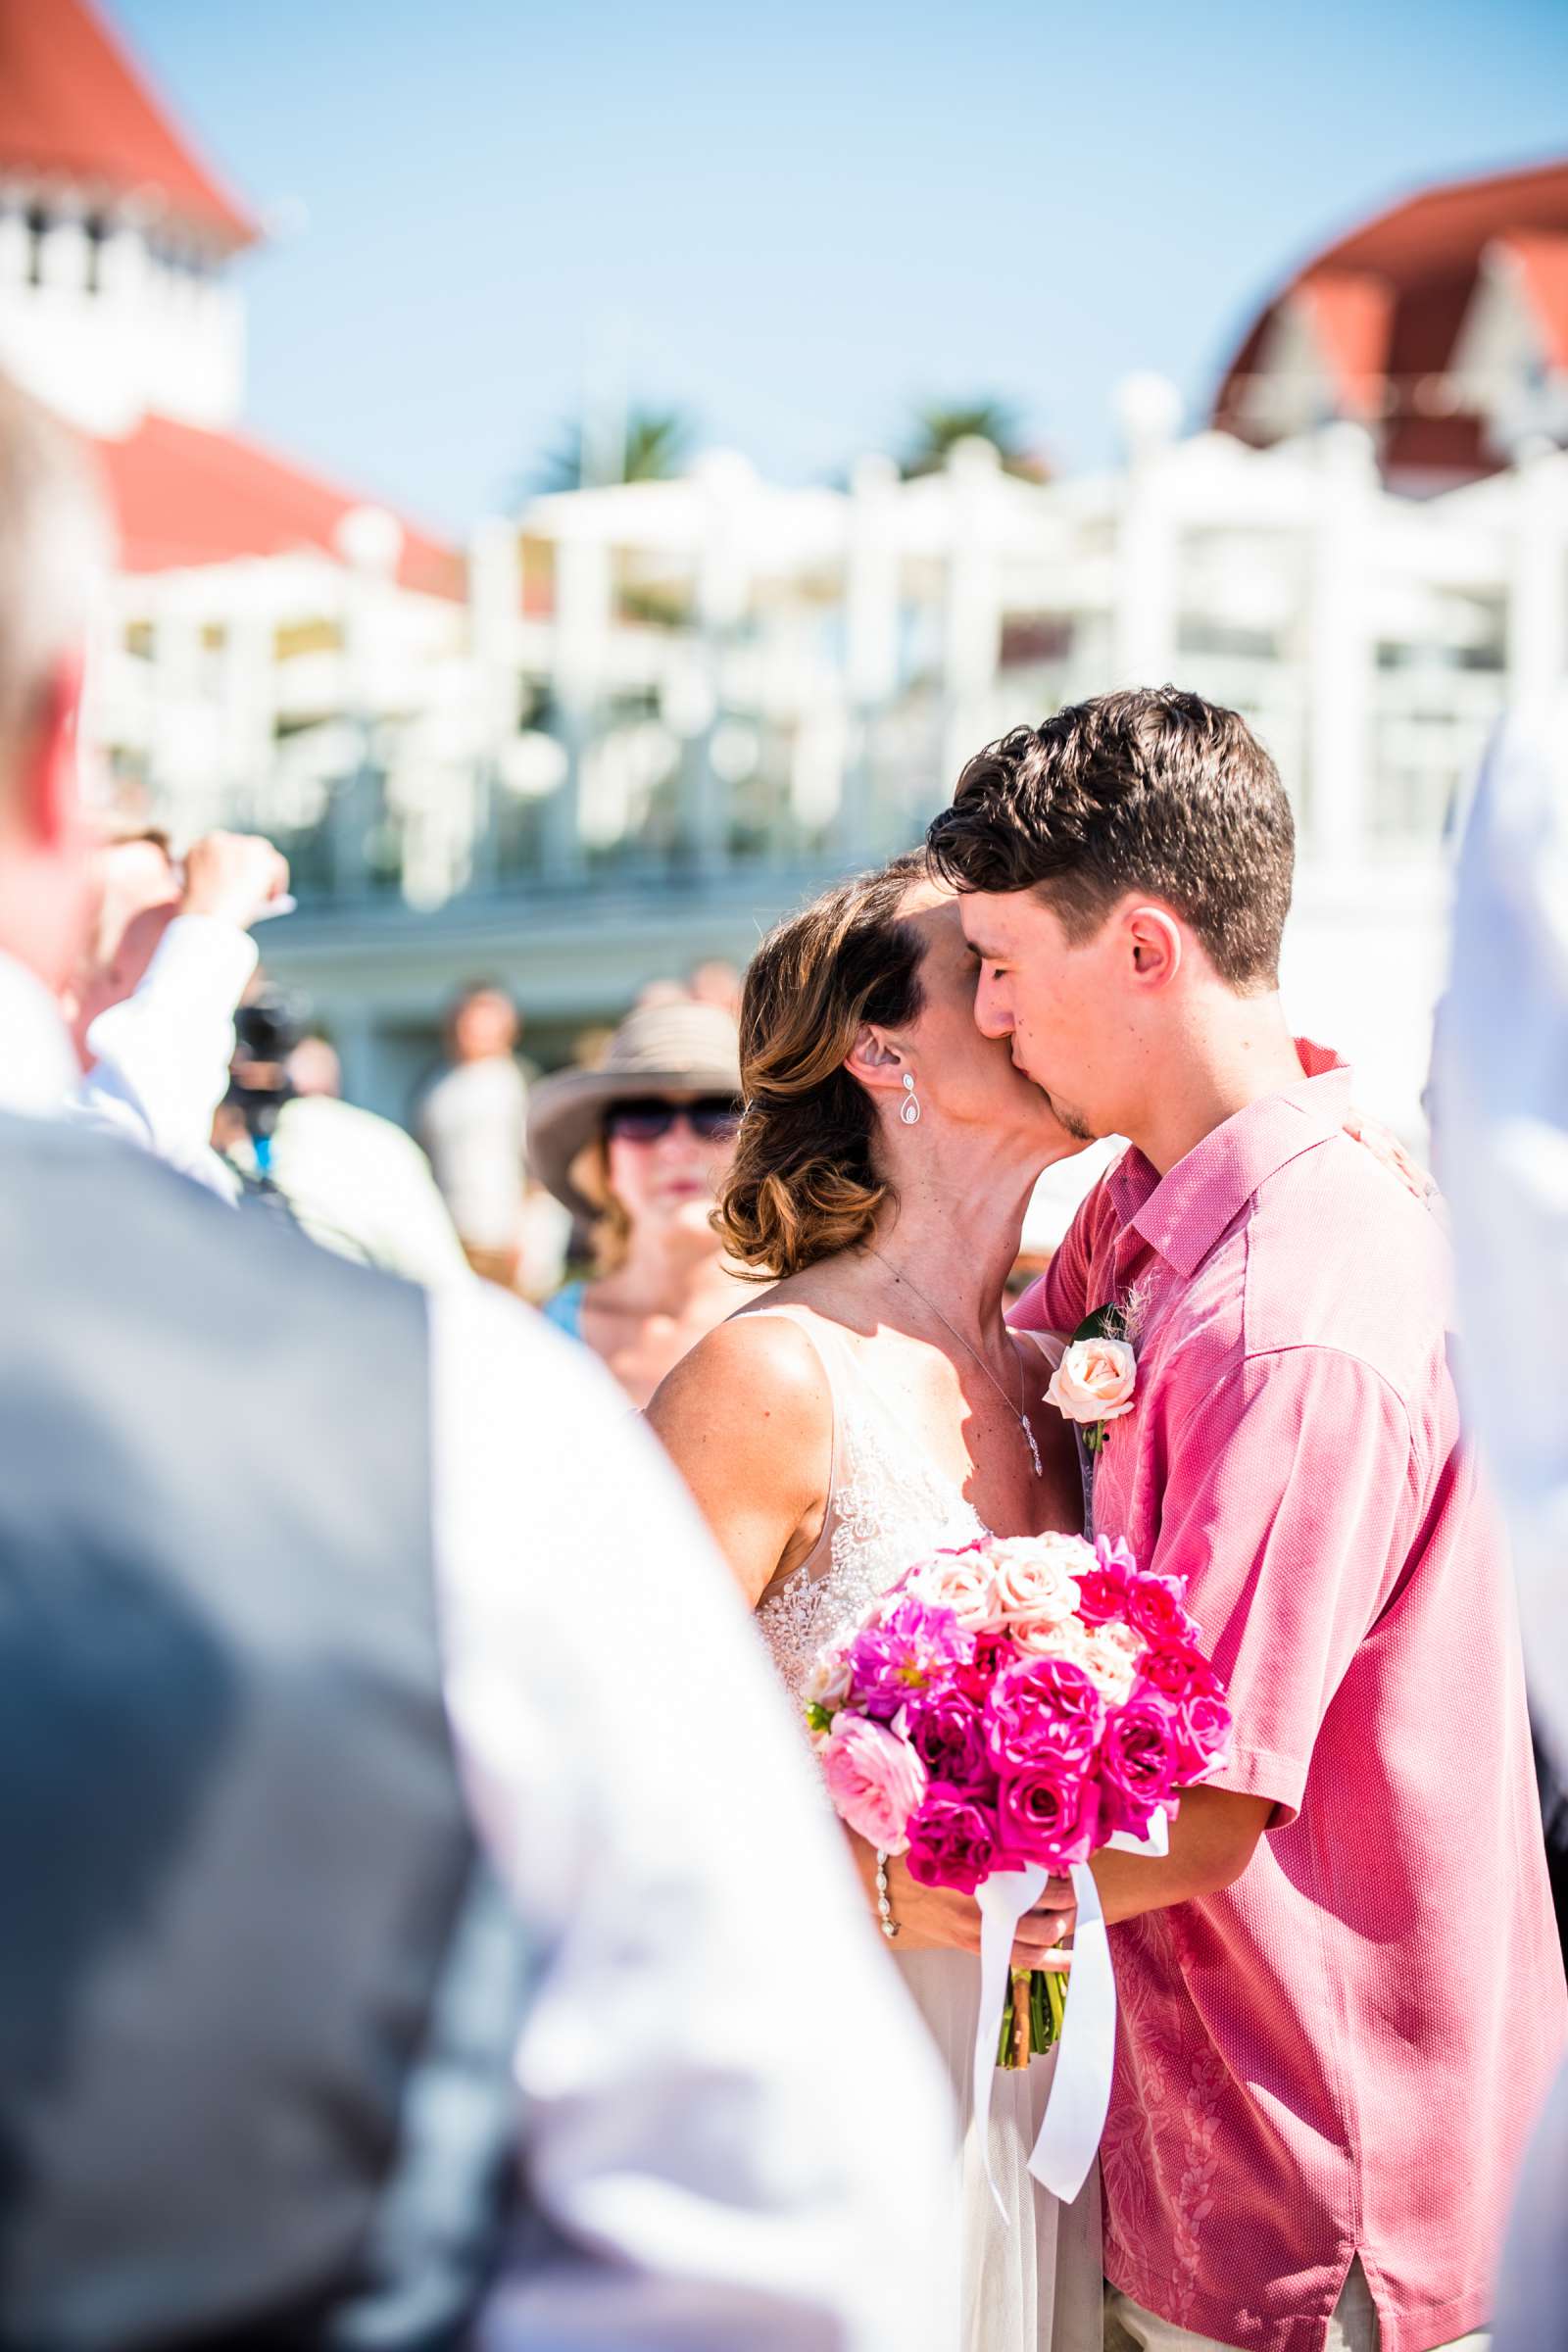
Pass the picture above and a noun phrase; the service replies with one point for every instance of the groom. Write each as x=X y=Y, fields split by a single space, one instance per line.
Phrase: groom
x=1341 y=1999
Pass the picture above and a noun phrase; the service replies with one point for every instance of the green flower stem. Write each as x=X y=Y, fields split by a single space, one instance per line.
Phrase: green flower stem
x=1048 y=2001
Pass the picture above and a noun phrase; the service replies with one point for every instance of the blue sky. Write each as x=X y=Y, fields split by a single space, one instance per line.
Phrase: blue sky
x=798 y=221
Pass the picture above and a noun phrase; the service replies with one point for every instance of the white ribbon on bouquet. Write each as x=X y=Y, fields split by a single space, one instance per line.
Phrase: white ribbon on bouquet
x=1085 y=2046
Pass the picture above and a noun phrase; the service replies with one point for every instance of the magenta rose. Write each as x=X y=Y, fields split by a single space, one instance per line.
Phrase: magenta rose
x=874 y=1778
x=1202 y=1733
x=992 y=1652
x=1139 y=1761
x=908 y=1646
x=952 y=1840
x=1178 y=1670
x=1049 y=1814
x=1106 y=1590
x=1103 y=1597
x=947 y=1732
x=1044 y=1711
x=1155 y=1608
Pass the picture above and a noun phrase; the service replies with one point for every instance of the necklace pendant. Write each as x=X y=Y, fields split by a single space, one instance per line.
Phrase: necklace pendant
x=1034 y=1450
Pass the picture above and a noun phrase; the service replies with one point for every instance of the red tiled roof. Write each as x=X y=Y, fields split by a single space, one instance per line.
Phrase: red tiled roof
x=74 y=107
x=1444 y=227
x=1542 y=263
x=1351 y=311
x=186 y=496
x=1426 y=253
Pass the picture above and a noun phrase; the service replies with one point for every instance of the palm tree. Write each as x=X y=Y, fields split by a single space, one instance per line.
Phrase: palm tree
x=656 y=446
x=937 y=426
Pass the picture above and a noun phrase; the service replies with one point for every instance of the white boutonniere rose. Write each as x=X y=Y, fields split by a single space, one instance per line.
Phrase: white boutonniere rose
x=1095 y=1380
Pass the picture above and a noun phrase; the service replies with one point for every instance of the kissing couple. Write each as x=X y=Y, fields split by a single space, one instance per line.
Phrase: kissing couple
x=1341 y=1999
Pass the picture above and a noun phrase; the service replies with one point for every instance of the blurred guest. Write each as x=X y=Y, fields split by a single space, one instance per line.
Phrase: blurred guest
x=289 y=1636
x=1500 y=1105
x=472 y=1123
x=639 y=1148
x=655 y=993
x=352 y=1181
x=151 y=1001
x=717 y=983
x=314 y=1067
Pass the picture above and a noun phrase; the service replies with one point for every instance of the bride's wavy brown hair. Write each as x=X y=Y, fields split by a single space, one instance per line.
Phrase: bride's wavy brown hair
x=804 y=1182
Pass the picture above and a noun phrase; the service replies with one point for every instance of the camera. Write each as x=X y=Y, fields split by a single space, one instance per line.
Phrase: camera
x=267 y=1027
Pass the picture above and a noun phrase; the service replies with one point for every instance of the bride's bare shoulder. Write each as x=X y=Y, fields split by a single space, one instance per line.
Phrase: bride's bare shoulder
x=757 y=1368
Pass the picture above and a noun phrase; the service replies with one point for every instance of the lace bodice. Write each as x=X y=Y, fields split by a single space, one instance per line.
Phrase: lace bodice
x=887 y=1507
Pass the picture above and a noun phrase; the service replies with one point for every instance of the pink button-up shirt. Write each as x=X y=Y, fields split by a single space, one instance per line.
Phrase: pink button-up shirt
x=1343 y=2053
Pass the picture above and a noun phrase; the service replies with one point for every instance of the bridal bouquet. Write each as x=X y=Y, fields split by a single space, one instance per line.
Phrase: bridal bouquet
x=1009 y=1709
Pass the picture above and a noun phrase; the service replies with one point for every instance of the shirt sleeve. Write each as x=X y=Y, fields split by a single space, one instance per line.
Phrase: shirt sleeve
x=161 y=1056
x=1285 y=1506
x=730 y=2119
x=1060 y=1300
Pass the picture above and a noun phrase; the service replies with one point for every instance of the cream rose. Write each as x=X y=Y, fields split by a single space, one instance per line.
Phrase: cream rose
x=1035 y=1583
x=828 y=1682
x=1110 y=1655
x=962 y=1582
x=1095 y=1381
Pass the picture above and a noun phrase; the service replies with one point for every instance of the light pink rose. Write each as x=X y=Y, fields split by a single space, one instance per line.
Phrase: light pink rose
x=874 y=1778
x=1035 y=1587
x=1095 y=1381
x=959 y=1581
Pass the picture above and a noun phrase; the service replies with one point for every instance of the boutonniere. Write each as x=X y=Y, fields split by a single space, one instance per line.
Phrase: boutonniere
x=1095 y=1381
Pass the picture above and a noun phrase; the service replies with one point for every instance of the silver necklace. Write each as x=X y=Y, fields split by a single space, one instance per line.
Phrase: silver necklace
x=1016 y=1411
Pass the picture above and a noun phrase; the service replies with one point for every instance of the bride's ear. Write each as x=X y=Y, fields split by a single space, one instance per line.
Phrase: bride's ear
x=874 y=1063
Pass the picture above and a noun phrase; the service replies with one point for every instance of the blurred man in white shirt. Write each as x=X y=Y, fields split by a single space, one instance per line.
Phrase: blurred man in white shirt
x=463 y=1572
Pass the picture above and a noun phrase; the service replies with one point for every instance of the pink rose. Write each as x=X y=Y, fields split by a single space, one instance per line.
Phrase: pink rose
x=1138 y=1762
x=1202 y=1734
x=1045 y=1712
x=874 y=1778
x=1178 y=1669
x=953 y=1838
x=1156 y=1609
x=1095 y=1381
x=1049 y=1815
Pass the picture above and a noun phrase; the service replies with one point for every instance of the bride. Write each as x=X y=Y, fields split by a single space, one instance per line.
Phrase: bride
x=875 y=1406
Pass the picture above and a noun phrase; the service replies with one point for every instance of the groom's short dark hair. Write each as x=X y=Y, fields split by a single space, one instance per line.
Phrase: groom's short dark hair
x=1153 y=789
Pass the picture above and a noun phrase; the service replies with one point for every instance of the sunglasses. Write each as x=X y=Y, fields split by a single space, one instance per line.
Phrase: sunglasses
x=712 y=1118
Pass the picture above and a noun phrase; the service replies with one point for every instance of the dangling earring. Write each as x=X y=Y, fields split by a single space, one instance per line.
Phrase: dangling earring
x=909 y=1112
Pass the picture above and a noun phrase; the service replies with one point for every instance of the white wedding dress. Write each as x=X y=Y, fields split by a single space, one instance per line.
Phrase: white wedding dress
x=1031 y=2284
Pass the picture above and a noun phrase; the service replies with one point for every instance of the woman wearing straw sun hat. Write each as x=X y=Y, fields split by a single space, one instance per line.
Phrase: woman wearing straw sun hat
x=638 y=1148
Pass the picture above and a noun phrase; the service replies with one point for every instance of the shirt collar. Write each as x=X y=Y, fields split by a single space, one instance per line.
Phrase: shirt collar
x=1183 y=1214
x=38 y=1070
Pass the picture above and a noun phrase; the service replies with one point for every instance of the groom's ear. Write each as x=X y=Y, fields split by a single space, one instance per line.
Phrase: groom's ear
x=873 y=1062
x=1154 y=946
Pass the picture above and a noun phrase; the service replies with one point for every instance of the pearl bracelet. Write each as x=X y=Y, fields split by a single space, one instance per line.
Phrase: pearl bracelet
x=884 y=1905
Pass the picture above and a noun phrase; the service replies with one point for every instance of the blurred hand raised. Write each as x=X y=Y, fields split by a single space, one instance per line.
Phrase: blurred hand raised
x=234 y=876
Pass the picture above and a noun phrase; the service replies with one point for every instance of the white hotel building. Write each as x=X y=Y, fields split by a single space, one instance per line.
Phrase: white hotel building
x=621 y=733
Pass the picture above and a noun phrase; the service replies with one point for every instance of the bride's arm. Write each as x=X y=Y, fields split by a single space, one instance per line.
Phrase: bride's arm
x=747 y=1419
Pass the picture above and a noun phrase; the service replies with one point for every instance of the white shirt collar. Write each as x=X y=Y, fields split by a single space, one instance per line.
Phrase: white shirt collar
x=38 y=1070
